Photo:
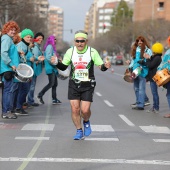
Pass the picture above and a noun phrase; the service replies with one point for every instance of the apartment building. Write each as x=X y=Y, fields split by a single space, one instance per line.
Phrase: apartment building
x=99 y=16
x=151 y=9
x=55 y=22
x=86 y=23
x=42 y=8
x=90 y=22
x=103 y=20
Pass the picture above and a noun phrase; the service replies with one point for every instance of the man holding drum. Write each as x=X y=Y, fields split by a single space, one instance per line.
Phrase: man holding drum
x=166 y=64
x=82 y=59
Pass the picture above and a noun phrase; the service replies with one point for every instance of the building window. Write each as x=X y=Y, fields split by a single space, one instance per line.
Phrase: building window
x=107 y=24
x=101 y=17
x=100 y=31
x=108 y=10
x=101 y=11
x=107 y=17
x=161 y=6
x=100 y=24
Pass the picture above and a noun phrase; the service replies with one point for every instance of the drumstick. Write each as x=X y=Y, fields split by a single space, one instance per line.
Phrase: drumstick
x=22 y=54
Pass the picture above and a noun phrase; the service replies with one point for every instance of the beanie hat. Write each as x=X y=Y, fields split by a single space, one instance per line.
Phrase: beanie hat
x=157 y=48
x=26 y=32
x=39 y=34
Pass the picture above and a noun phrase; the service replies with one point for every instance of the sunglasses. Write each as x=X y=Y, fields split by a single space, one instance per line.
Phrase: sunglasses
x=139 y=40
x=81 y=41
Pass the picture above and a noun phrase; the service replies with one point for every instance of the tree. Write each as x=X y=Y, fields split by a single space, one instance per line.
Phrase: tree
x=120 y=40
x=27 y=16
x=6 y=8
x=62 y=47
x=122 y=15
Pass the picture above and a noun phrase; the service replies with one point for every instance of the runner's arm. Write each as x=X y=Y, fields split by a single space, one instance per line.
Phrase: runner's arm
x=98 y=61
x=65 y=62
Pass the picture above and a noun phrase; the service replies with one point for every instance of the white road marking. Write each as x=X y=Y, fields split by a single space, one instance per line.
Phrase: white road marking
x=102 y=128
x=98 y=94
x=102 y=139
x=118 y=74
x=162 y=140
x=32 y=138
x=155 y=129
x=87 y=160
x=108 y=103
x=124 y=118
x=43 y=127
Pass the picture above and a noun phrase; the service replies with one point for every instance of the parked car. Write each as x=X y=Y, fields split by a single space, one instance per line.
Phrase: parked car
x=119 y=60
x=113 y=61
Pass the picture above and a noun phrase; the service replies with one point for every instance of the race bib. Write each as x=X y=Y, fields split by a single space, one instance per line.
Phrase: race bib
x=82 y=74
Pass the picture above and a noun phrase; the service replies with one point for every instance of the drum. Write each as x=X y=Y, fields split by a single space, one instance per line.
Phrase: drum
x=24 y=73
x=128 y=76
x=162 y=77
x=136 y=72
x=63 y=75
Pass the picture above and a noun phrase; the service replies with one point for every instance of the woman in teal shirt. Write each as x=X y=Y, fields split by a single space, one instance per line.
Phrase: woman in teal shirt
x=9 y=63
x=51 y=71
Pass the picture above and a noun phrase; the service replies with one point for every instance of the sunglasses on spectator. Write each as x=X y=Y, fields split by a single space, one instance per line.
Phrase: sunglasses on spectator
x=81 y=41
x=139 y=40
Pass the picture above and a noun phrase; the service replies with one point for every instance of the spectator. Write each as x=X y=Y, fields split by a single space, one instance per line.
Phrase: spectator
x=50 y=50
x=9 y=63
x=138 y=49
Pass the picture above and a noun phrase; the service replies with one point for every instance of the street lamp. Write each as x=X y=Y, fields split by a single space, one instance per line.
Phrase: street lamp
x=123 y=17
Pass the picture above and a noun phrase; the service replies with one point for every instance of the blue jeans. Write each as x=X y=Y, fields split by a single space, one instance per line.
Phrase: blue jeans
x=6 y=96
x=154 y=90
x=53 y=83
x=139 y=88
x=168 y=93
x=18 y=92
x=30 y=98
x=146 y=98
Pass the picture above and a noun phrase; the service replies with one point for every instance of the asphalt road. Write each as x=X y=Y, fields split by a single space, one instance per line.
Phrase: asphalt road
x=122 y=138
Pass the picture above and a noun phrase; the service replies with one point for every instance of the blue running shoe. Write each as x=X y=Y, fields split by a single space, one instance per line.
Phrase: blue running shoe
x=79 y=135
x=87 y=128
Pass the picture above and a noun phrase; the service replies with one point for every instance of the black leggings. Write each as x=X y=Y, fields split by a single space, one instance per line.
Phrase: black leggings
x=53 y=83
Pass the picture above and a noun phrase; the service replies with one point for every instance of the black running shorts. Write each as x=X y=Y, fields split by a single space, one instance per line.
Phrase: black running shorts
x=84 y=92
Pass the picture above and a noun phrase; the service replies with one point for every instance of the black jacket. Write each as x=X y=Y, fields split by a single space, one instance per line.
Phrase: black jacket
x=152 y=64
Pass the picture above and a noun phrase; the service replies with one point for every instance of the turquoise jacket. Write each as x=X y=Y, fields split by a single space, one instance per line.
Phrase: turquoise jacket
x=135 y=63
x=9 y=54
x=21 y=46
x=49 y=68
x=164 y=63
x=37 y=52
